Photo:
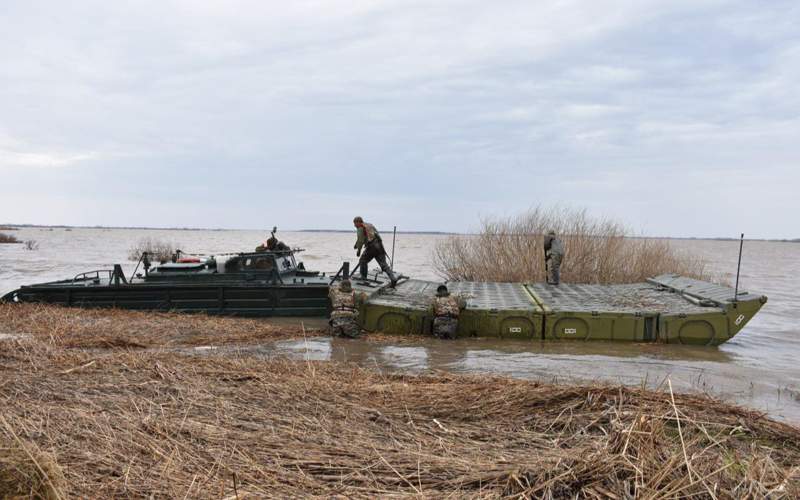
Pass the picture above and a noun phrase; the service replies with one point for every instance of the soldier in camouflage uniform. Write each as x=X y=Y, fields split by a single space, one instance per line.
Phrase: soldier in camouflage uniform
x=446 y=309
x=275 y=245
x=344 y=311
x=272 y=244
x=553 y=255
x=370 y=240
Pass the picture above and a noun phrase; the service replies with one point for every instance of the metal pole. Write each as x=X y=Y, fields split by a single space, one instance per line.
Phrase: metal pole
x=738 y=268
x=394 y=237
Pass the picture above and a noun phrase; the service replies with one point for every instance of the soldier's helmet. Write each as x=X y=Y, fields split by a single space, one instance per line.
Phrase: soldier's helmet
x=442 y=291
x=551 y=233
x=358 y=220
x=345 y=286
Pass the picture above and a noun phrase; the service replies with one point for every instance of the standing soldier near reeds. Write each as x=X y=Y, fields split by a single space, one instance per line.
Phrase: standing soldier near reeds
x=553 y=256
x=343 y=310
x=370 y=240
x=446 y=310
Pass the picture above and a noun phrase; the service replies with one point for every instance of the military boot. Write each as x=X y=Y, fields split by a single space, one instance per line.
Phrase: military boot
x=392 y=279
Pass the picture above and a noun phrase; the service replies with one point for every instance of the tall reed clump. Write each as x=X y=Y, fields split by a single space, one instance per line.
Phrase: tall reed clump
x=157 y=249
x=7 y=238
x=597 y=250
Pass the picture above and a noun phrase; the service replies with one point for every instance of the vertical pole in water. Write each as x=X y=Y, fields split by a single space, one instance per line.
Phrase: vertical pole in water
x=394 y=237
x=738 y=268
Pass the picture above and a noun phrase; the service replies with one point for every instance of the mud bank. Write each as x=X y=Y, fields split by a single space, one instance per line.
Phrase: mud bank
x=112 y=420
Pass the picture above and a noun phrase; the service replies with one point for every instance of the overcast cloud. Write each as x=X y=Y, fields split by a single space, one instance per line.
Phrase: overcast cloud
x=680 y=118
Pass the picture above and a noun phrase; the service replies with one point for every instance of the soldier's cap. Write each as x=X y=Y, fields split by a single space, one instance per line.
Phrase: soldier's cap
x=358 y=219
x=442 y=290
x=345 y=286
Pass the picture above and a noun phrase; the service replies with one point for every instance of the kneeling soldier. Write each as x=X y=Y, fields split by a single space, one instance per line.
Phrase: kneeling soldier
x=446 y=309
x=343 y=313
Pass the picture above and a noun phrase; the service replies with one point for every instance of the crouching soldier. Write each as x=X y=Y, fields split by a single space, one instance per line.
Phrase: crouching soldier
x=446 y=309
x=344 y=310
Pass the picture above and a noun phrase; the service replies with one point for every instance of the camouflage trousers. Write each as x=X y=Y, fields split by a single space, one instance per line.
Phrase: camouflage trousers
x=445 y=327
x=554 y=270
x=373 y=250
x=344 y=326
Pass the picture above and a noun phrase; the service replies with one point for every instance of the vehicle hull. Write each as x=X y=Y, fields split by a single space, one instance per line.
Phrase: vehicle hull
x=222 y=299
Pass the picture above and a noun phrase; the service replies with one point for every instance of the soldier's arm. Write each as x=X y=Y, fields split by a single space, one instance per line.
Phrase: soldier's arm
x=361 y=238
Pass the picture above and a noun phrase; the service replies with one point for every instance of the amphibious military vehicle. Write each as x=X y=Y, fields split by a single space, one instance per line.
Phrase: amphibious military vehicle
x=667 y=308
x=266 y=283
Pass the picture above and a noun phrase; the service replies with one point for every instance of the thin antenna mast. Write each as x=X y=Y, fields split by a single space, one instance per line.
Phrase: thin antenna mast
x=738 y=268
x=394 y=237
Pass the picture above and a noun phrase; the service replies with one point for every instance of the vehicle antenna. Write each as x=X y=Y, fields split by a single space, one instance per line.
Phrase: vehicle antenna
x=738 y=268
x=394 y=237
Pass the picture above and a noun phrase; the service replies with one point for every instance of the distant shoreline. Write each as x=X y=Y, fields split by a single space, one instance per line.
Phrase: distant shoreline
x=9 y=226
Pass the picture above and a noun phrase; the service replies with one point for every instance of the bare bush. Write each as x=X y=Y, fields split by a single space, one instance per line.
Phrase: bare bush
x=7 y=238
x=157 y=249
x=31 y=245
x=598 y=250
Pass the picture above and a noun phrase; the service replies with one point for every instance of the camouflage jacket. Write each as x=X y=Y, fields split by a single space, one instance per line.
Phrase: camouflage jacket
x=366 y=234
x=556 y=249
x=344 y=303
x=449 y=306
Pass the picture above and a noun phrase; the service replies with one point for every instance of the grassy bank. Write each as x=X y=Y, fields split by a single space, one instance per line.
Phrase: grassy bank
x=104 y=328
x=116 y=421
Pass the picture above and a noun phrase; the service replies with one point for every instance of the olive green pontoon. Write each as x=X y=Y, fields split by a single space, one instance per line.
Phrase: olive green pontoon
x=668 y=309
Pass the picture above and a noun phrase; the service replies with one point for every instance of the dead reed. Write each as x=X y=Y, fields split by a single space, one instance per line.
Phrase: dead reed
x=153 y=423
x=105 y=328
x=8 y=238
x=26 y=472
x=598 y=250
x=159 y=250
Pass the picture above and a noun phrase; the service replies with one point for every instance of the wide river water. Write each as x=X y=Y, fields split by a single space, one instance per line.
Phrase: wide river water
x=759 y=368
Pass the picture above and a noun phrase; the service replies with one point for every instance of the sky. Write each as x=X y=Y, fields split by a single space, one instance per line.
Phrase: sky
x=677 y=118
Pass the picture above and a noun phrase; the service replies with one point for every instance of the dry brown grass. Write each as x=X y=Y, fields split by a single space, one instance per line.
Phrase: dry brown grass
x=597 y=251
x=8 y=238
x=26 y=472
x=142 y=423
x=105 y=328
x=159 y=250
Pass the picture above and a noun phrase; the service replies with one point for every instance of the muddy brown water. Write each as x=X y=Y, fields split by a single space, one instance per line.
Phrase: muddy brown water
x=759 y=368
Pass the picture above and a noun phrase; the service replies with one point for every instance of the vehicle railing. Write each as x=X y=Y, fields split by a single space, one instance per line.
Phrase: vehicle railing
x=115 y=276
x=88 y=275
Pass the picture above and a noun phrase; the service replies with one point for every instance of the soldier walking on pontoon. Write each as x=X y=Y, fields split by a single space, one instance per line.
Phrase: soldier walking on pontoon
x=370 y=240
x=344 y=314
x=446 y=310
x=553 y=256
